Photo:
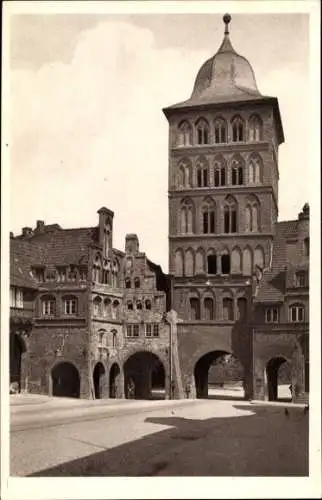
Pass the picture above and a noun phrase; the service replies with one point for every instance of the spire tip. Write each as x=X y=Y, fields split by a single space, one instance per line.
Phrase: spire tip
x=226 y=19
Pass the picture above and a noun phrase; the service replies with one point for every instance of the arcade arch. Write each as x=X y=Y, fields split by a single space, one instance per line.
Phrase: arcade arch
x=144 y=376
x=65 y=380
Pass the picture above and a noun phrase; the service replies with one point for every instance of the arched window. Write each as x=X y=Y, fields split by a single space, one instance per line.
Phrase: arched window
x=296 y=313
x=208 y=217
x=189 y=263
x=259 y=257
x=186 y=217
x=228 y=309
x=127 y=283
x=242 y=309
x=252 y=214
x=139 y=305
x=102 y=337
x=307 y=247
x=184 y=174
x=220 y=175
x=114 y=338
x=211 y=262
x=220 y=131
x=236 y=261
x=254 y=129
x=247 y=262
x=194 y=308
x=97 y=303
x=48 y=305
x=230 y=215
x=106 y=306
x=97 y=269
x=238 y=129
x=200 y=261
x=107 y=232
x=185 y=134
x=179 y=263
x=209 y=309
x=148 y=305
x=255 y=166
x=136 y=282
x=237 y=171
x=70 y=305
x=116 y=309
x=115 y=270
x=225 y=264
x=202 y=170
x=202 y=129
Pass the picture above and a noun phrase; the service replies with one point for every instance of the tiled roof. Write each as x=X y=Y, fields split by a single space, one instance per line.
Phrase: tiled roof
x=22 y=255
x=273 y=285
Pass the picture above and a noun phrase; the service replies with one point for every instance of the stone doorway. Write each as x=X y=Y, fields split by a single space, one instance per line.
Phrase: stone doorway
x=98 y=380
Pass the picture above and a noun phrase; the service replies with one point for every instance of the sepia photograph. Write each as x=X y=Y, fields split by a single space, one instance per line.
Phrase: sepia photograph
x=156 y=247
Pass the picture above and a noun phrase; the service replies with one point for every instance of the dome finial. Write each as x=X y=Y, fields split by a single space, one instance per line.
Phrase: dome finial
x=226 y=19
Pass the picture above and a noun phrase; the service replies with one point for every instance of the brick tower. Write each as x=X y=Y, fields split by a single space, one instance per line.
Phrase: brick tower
x=223 y=207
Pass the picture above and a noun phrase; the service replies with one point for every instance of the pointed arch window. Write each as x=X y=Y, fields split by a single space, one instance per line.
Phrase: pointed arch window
x=255 y=129
x=247 y=262
x=237 y=171
x=200 y=261
x=189 y=263
x=255 y=170
x=202 y=170
x=230 y=216
x=136 y=282
x=186 y=217
x=185 y=134
x=252 y=215
x=220 y=131
x=236 y=261
x=242 y=309
x=259 y=258
x=184 y=174
x=220 y=175
x=97 y=303
x=238 y=129
x=228 y=309
x=194 y=308
x=209 y=309
x=212 y=262
x=208 y=217
x=225 y=264
x=202 y=129
x=106 y=306
x=179 y=263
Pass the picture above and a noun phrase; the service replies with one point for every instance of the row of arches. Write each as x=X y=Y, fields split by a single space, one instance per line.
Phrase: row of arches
x=237 y=172
x=219 y=218
x=106 y=307
x=105 y=271
x=227 y=309
x=192 y=262
x=220 y=130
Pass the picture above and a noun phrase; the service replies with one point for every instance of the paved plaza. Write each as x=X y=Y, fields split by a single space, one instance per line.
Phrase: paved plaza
x=215 y=437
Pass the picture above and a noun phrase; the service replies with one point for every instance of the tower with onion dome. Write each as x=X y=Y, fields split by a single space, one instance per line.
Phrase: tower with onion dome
x=223 y=207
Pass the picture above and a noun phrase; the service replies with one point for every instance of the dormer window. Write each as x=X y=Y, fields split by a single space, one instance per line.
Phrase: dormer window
x=302 y=279
x=51 y=275
x=83 y=274
x=39 y=273
x=72 y=275
x=61 y=274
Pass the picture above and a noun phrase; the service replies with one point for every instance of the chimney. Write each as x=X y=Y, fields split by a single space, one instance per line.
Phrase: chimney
x=305 y=214
x=11 y=235
x=131 y=244
x=26 y=231
x=40 y=224
x=105 y=223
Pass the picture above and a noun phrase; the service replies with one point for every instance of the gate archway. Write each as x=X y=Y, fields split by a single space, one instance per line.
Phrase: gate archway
x=114 y=386
x=219 y=374
x=279 y=379
x=98 y=380
x=144 y=376
x=65 y=380
x=17 y=349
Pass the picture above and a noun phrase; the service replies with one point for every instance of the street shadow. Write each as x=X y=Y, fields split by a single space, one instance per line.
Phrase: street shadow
x=240 y=445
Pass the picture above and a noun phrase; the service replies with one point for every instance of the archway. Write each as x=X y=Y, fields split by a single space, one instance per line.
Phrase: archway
x=98 y=380
x=17 y=348
x=66 y=380
x=279 y=379
x=114 y=388
x=219 y=374
x=144 y=376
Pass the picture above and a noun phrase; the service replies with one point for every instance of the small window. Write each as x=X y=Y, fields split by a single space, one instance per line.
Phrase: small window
x=212 y=264
x=271 y=315
x=127 y=283
x=16 y=297
x=135 y=330
x=228 y=309
x=70 y=305
x=97 y=306
x=130 y=306
x=296 y=314
x=148 y=305
x=238 y=130
x=148 y=330
x=39 y=273
x=194 y=309
x=83 y=274
x=302 y=279
x=129 y=330
x=139 y=305
x=61 y=274
x=202 y=132
x=137 y=282
x=48 y=306
x=72 y=275
x=225 y=264
x=114 y=338
x=51 y=275
x=155 y=330
x=307 y=247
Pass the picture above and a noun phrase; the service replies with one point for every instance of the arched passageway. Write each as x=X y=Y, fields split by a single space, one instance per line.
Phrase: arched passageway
x=98 y=380
x=114 y=386
x=17 y=348
x=279 y=379
x=219 y=374
x=144 y=376
x=65 y=380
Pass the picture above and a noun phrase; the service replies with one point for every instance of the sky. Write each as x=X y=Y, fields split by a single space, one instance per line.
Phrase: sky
x=87 y=128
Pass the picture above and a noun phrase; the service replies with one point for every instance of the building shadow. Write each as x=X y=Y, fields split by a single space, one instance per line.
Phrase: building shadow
x=245 y=445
